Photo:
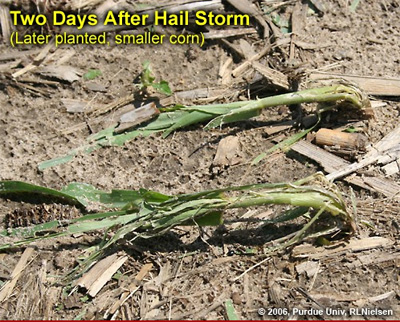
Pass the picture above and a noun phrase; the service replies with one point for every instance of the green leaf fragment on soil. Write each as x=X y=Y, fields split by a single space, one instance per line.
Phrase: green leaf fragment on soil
x=284 y=145
x=92 y=74
x=351 y=129
x=230 y=311
x=354 y=5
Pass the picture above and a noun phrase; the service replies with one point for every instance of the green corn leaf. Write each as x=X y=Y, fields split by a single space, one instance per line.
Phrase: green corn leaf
x=186 y=120
x=230 y=311
x=30 y=231
x=86 y=194
x=26 y=192
x=230 y=118
x=56 y=161
x=214 y=218
x=86 y=226
x=284 y=145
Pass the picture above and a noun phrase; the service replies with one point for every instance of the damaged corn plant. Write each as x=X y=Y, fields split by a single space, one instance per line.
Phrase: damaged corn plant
x=216 y=115
x=127 y=214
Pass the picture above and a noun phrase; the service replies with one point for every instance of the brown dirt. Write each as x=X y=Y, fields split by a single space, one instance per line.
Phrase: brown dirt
x=192 y=272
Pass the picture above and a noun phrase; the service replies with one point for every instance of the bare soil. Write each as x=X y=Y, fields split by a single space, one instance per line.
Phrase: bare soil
x=194 y=272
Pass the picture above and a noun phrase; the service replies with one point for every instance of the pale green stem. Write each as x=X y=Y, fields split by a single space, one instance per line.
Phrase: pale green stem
x=333 y=93
x=302 y=199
